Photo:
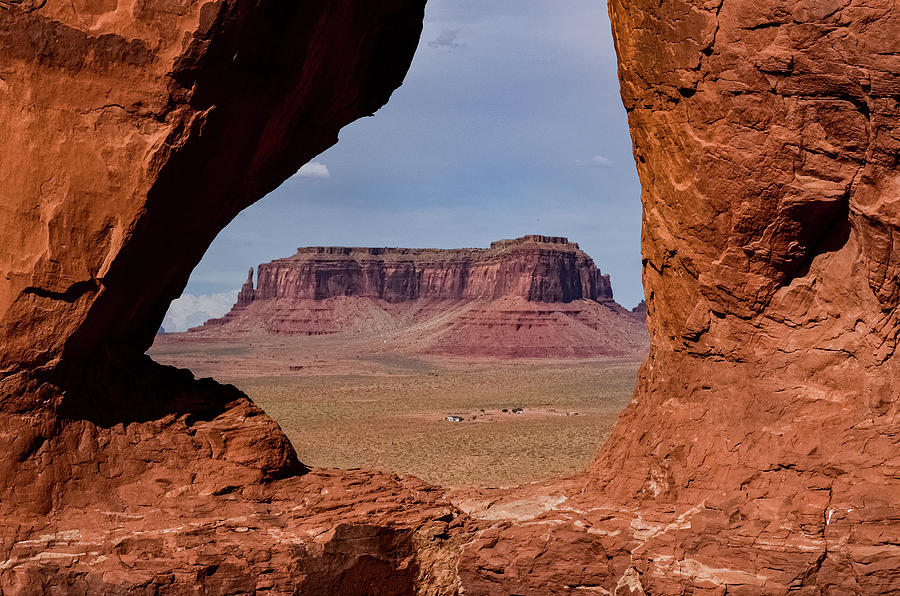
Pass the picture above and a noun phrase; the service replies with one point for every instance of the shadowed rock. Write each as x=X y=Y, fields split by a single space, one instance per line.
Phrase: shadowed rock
x=759 y=453
x=132 y=134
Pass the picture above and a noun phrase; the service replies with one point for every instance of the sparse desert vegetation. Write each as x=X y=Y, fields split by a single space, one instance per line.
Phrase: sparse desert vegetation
x=389 y=411
x=398 y=423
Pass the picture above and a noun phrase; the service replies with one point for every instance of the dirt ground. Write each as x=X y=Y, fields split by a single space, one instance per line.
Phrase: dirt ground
x=344 y=404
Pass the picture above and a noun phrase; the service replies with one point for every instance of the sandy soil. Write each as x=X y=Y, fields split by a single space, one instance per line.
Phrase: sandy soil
x=346 y=404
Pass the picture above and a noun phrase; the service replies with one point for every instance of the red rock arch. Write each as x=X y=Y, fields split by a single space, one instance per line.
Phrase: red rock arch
x=760 y=449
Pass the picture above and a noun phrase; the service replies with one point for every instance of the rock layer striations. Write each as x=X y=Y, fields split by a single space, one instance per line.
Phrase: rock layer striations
x=536 y=268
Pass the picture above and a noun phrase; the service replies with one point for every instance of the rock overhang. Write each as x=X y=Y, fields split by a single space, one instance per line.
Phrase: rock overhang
x=764 y=135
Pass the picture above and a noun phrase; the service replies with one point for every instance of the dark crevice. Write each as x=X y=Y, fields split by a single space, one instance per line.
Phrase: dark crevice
x=833 y=239
x=70 y=295
x=761 y=26
x=109 y=391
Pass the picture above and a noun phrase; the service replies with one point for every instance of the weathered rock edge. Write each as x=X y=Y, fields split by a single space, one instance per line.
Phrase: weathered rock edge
x=133 y=132
x=758 y=456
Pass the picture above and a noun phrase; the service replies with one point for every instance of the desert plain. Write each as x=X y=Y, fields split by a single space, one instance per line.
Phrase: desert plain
x=347 y=402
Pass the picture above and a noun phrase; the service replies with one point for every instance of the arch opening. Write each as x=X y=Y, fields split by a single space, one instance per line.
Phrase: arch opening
x=756 y=454
x=486 y=139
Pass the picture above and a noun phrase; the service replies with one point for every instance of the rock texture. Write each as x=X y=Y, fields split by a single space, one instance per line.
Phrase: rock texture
x=767 y=138
x=759 y=455
x=535 y=296
x=117 y=114
x=132 y=133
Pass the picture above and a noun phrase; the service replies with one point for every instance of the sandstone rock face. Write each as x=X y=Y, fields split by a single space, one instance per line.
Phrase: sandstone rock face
x=759 y=455
x=246 y=293
x=113 y=119
x=535 y=296
x=116 y=113
x=767 y=138
x=537 y=268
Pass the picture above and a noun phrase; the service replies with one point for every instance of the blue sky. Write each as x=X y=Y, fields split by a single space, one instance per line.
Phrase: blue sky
x=509 y=123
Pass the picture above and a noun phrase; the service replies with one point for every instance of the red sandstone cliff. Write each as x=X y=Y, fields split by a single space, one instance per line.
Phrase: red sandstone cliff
x=537 y=268
x=532 y=296
x=759 y=455
x=132 y=132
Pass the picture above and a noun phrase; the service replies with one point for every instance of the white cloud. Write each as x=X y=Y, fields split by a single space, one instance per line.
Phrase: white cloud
x=190 y=310
x=313 y=169
x=597 y=160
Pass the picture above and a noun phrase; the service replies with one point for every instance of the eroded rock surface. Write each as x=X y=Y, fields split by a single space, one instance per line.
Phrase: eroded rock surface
x=132 y=133
x=758 y=456
x=118 y=115
x=536 y=268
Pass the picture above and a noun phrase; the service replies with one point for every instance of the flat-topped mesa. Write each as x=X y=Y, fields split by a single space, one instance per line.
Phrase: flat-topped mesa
x=532 y=297
x=537 y=268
